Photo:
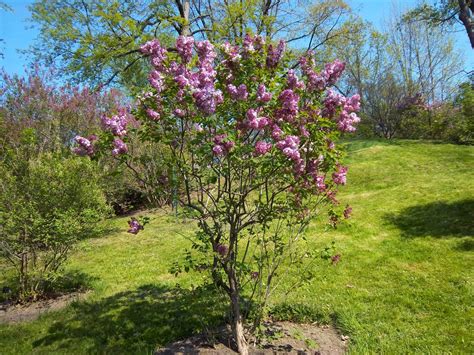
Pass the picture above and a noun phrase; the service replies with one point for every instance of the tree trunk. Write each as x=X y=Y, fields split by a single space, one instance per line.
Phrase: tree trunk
x=237 y=321
x=466 y=18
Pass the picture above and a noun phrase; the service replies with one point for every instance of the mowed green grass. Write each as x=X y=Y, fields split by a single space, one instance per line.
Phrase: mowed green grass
x=403 y=285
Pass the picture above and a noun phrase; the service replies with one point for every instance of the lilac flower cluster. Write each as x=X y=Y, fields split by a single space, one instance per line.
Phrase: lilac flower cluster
x=290 y=147
x=262 y=94
x=222 y=145
x=117 y=125
x=119 y=147
x=184 y=46
x=222 y=249
x=86 y=146
x=327 y=77
x=254 y=121
x=339 y=176
x=238 y=93
x=274 y=55
x=347 y=118
x=134 y=225
x=262 y=148
x=289 y=106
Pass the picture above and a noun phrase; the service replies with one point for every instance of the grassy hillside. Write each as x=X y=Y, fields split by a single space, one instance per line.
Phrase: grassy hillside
x=403 y=285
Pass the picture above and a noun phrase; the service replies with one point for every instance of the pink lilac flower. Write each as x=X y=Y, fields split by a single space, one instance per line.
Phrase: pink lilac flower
x=254 y=121
x=262 y=148
x=218 y=150
x=153 y=114
x=332 y=101
x=262 y=94
x=335 y=258
x=289 y=105
x=293 y=82
x=347 y=122
x=156 y=80
x=157 y=53
x=232 y=53
x=135 y=226
x=339 y=176
x=222 y=145
x=259 y=42
x=248 y=44
x=179 y=112
x=116 y=124
x=319 y=181
x=238 y=93
x=119 y=147
x=347 y=212
x=274 y=55
x=86 y=146
x=198 y=127
x=254 y=275
x=276 y=132
x=289 y=146
x=333 y=71
x=205 y=52
x=184 y=46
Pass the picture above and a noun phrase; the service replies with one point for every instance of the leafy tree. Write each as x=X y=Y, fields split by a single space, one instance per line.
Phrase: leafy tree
x=97 y=41
x=448 y=12
x=47 y=204
x=251 y=143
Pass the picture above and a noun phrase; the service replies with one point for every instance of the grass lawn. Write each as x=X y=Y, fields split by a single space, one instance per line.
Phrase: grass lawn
x=403 y=285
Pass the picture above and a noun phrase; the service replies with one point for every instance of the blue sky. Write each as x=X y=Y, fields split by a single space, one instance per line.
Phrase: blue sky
x=18 y=34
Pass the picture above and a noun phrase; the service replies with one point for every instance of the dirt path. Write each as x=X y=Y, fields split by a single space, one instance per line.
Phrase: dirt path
x=24 y=313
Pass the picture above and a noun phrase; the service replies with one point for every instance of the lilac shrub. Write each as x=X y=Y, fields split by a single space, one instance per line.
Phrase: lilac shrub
x=252 y=142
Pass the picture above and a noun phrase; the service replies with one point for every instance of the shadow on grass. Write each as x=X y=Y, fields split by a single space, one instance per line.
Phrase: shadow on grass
x=136 y=321
x=67 y=282
x=437 y=219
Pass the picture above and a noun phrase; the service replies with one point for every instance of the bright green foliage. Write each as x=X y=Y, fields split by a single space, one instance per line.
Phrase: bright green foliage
x=47 y=204
x=403 y=284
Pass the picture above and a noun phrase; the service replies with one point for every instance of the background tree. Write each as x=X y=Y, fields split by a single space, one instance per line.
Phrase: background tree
x=97 y=42
x=448 y=12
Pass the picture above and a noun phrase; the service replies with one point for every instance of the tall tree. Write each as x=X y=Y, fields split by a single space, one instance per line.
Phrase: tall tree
x=97 y=41
x=448 y=12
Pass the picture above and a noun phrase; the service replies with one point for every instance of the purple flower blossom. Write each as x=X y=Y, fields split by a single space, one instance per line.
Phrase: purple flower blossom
x=156 y=80
x=335 y=258
x=289 y=105
x=157 y=53
x=254 y=121
x=347 y=212
x=86 y=146
x=293 y=82
x=248 y=44
x=134 y=225
x=238 y=93
x=274 y=55
x=262 y=94
x=119 y=147
x=153 y=114
x=262 y=148
x=205 y=52
x=254 y=275
x=117 y=124
x=339 y=176
x=184 y=46
x=333 y=71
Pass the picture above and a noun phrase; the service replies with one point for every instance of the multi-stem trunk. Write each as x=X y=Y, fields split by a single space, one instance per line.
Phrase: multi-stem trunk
x=237 y=319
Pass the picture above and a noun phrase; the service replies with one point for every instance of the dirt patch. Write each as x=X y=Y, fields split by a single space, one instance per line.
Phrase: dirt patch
x=281 y=338
x=11 y=313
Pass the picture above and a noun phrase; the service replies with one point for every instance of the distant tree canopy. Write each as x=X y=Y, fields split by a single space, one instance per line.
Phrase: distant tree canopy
x=96 y=42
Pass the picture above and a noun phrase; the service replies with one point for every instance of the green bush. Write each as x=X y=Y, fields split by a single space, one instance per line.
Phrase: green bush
x=47 y=204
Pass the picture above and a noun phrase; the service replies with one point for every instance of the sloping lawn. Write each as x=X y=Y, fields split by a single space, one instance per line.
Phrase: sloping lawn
x=403 y=285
